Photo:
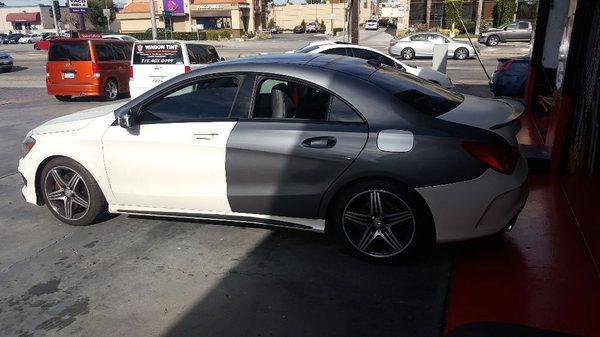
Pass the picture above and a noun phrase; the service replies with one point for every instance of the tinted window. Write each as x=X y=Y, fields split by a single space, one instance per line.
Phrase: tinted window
x=122 y=51
x=523 y=25
x=419 y=94
x=307 y=49
x=104 y=52
x=335 y=51
x=283 y=99
x=419 y=37
x=157 y=53
x=201 y=54
x=365 y=54
x=207 y=99
x=69 y=51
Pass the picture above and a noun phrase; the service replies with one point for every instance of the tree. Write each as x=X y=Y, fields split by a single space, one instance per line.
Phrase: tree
x=452 y=13
x=271 y=23
x=503 y=11
x=323 y=25
x=303 y=23
x=95 y=14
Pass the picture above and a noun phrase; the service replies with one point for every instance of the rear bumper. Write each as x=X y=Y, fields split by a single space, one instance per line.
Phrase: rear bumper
x=477 y=207
x=73 y=89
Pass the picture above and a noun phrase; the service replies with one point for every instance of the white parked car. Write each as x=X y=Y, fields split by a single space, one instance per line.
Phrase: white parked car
x=311 y=27
x=421 y=45
x=120 y=37
x=367 y=53
x=372 y=24
x=30 y=38
x=154 y=62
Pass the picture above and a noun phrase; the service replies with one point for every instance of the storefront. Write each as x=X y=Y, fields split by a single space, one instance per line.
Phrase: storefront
x=234 y=16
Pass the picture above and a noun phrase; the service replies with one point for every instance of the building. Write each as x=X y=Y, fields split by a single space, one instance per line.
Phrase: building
x=396 y=11
x=333 y=14
x=188 y=15
x=28 y=19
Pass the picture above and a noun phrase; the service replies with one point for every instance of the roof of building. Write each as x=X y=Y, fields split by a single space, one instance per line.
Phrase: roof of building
x=139 y=7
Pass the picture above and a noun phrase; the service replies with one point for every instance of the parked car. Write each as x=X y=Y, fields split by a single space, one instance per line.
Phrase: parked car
x=311 y=27
x=2 y=37
x=510 y=77
x=155 y=62
x=30 y=38
x=275 y=30
x=12 y=38
x=44 y=44
x=421 y=45
x=120 y=37
x=89 y=67
x=286 y=141
x=6 y=62
x=372 y=24
x=512 y=31
x=367 y=53
x=299 y=30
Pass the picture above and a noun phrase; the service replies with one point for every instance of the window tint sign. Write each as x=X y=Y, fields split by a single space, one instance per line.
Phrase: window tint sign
x=159 y=53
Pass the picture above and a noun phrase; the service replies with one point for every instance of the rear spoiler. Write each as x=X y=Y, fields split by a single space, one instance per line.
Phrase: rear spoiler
x=517 y=110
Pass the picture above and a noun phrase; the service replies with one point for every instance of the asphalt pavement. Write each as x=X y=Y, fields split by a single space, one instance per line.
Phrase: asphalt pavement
x=135 y=276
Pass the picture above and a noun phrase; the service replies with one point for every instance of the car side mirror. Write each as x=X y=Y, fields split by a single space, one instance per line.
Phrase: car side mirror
x=126 y=119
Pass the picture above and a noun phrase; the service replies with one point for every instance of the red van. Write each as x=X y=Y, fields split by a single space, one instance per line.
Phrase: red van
x=88 y=67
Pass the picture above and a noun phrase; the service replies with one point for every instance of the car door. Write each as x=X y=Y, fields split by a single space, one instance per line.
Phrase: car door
x=297 y=140
x=511 y=32
x=105 y=59
x=122 y=52
x=421 y=45
x=175 y=158
x=523 y=32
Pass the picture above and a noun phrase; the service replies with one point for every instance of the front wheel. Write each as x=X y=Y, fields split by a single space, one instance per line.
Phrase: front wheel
x=407 y=53
x=492 y=41
x=71 y=193
x=380 y=221
x=461 y=53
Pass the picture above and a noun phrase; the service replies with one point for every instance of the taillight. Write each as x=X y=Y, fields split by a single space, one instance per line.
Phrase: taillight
x=131 y=72
x=28 y=144
x=505 y=66
x=188 y=69
x=95 y=70
x=498 y=156
x=393 y=42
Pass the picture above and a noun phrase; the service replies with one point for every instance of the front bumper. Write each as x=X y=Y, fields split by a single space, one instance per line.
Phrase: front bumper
x=482 y=39
x=477 y=207
x=28 y=171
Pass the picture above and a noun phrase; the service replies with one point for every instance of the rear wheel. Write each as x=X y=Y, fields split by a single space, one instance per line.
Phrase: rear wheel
x=111 y=90
x=71 y=193
x=492 y=41
x=461 y=53
x=408 y=53
x=380 y=221
x=63 y=98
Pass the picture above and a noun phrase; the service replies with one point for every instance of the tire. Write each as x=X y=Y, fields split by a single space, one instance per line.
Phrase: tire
x=71 y=193
x=36 y=47
x=407 y=53
x=400 y=228
x=492 y=41
x=461 y=53
x=111 y=90
x=63 y=98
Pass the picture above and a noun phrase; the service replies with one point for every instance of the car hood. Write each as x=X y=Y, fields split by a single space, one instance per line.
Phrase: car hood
x=484 y=113
x=492 y=30
x=75 y=121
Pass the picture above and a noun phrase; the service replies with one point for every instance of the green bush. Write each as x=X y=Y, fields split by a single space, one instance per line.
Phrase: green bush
x=452 y=13
x=470 y=27
x=211 y=34
x=503 y=12
x=337 y=30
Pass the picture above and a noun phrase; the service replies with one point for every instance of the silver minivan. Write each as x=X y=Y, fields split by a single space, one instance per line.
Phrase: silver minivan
x=156 y=61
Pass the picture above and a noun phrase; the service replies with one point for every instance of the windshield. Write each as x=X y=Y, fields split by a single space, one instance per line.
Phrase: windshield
x=422 y=95
x=69 y=51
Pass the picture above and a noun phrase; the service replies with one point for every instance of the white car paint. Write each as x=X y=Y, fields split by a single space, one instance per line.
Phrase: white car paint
x=92 y=139
x=422 y=72
x=30 y=38
x=120 y=37
x=422 y=44
x=372 y=24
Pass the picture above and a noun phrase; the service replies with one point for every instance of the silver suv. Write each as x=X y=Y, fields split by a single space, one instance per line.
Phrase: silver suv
x=512 y=31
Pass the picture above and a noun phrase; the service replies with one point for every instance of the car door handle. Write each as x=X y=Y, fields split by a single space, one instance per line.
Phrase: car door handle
x=320 y=142
x=205 y=136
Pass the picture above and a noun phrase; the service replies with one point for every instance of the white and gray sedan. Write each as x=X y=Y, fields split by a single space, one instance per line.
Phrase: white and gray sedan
x=421 y=45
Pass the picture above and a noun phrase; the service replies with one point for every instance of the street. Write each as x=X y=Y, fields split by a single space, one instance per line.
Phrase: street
x=137 y=276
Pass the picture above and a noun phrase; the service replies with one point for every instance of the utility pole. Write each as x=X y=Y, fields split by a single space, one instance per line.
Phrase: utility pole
x=354 y=21
x=153 y=19
x=331 y=15
x=428 y=12
x=55 y=6
x=478 y=19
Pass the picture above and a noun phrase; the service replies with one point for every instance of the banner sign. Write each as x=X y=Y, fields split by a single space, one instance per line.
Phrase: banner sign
x=78 y=6
x=157 y=53
x=173 y=6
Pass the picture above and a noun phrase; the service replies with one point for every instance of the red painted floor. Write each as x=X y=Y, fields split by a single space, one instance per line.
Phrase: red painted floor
x=543 y=273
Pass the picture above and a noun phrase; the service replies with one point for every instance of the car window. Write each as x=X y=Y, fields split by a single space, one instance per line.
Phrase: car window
x=202 y=54
x=307 y=49
x=122 y=51
x=284 y=99
x=419 y=37
x=511 y=25
x=203 y=100
x=69 y=51
x=335 y=51
x=417 y=93
x=104 y=52
x=433 y=38
x=365 y=54
x=523 y=25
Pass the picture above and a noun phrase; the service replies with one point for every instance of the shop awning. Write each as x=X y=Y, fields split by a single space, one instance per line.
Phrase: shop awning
x=23 y=17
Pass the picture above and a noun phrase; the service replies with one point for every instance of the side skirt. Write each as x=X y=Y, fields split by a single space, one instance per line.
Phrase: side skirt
x=313 y=225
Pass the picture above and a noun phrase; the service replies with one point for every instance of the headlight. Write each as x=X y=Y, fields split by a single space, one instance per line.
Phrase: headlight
x=28 y=144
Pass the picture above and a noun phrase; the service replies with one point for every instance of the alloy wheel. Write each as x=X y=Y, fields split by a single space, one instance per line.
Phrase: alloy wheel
x=493 y=40
x=111 y=90
x=378 y=223
x=67 y=193
x=407 y=54
x=461 y=53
